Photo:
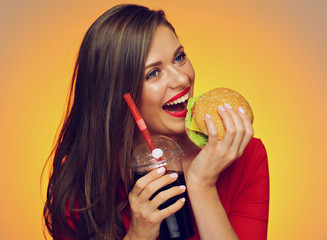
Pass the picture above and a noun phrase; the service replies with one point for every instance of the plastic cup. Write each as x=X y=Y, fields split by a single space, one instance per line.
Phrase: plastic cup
x=179 y=225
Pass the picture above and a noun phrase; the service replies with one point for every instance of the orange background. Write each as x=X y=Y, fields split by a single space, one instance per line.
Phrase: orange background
x=273 y=52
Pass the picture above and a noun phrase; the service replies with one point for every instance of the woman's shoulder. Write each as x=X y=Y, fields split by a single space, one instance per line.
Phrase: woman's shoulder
x=252 y=162
x=256 y=145
x=251 y=169
x=254 y=155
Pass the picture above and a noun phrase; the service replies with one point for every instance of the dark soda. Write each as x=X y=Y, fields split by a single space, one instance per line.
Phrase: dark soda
x=177 y=226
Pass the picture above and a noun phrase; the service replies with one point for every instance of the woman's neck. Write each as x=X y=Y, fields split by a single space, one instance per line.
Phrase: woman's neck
x=186 y=144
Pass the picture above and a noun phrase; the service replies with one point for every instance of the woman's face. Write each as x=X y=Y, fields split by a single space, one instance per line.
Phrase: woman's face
x=168 y=83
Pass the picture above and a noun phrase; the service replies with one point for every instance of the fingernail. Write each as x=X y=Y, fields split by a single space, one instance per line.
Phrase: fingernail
x=208 y=116
x=161 y=170
x=173 y=175
x=221 y=108
x=183 y=199
x=241 y=109
x=228 y=106
x=183 y=187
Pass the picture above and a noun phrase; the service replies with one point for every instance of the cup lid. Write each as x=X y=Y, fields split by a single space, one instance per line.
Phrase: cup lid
x=166 y=149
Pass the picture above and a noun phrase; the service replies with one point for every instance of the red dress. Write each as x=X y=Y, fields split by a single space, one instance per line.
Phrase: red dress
x=243 y=189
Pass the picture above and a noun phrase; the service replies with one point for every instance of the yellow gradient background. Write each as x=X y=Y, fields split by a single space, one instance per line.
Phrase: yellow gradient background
x=273 y=52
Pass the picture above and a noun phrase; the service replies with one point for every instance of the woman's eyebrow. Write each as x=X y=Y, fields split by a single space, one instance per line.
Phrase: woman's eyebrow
x=153 y=64
x=178 y=49
x=160 y=62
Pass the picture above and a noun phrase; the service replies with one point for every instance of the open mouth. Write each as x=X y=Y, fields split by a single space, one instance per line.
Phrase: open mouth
x=178 y=107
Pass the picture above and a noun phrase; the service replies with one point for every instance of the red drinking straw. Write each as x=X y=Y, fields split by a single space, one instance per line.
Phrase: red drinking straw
x=140 y=122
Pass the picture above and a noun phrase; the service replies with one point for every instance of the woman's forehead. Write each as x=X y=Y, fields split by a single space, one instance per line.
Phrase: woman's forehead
x=164 y=44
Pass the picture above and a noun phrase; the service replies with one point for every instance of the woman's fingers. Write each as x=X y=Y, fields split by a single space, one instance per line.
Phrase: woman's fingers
x=239 y=129
x=163 y=196
x=147 y=210
x=142 y=182
x=148 y=185
x=164 y=213
x=248 y=128
x=157 y=184
x=212 y=131
x=230 y=132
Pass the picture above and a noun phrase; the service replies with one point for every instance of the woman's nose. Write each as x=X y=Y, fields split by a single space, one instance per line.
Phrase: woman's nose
x=177 y=77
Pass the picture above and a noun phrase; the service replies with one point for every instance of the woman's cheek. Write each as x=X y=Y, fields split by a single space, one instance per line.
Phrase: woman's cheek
x=190 y=71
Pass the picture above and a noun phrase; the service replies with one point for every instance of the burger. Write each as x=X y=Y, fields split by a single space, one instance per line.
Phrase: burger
x=208 y=102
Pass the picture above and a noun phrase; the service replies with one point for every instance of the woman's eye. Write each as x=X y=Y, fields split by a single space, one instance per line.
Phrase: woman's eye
x=180 y=57
x=153 y=74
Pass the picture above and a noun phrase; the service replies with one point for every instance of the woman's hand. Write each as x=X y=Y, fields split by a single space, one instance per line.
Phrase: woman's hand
x=145 y=215
x=219 y=154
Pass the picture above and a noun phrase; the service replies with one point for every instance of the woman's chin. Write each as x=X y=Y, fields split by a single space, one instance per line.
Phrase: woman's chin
x=178 y=130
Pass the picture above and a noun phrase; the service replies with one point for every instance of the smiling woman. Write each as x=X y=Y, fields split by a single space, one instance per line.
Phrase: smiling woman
x=91 y=192
x=169 y=77
x=176 y=106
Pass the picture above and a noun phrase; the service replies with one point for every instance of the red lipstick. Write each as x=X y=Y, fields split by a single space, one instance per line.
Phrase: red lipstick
x=181 y=114
x=178 y=95
x=178 y=111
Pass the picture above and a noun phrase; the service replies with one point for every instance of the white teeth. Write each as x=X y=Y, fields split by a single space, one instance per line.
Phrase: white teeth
x=179 y=100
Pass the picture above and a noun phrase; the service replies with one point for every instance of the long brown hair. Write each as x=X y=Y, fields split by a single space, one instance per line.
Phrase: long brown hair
x=93 y=149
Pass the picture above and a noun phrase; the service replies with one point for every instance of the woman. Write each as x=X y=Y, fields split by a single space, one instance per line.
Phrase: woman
x=91 y=194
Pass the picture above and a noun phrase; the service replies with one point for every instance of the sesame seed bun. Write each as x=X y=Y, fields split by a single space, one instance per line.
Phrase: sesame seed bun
x=208 y=103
